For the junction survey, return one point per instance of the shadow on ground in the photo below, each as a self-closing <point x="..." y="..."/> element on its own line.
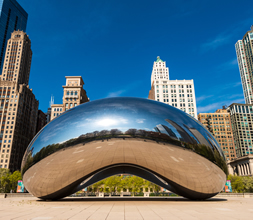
<point x="96" y="199"/>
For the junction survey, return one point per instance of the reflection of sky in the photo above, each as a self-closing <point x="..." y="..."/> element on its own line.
<point x="113" y="113"/>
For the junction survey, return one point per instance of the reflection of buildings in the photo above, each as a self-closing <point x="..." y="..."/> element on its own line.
<point x="73" y="95"/>
<point x="19" y="108"/>
<point x="244" y="53"/>
<point x="219" y="124"/>
<point x="164" y="129"/>
<point x="184" y="135"/>
<point x="201" y="139"/>
<point x="178" y="93"/>
<point x="12" y="17"/>
<point x="242" y="127"/>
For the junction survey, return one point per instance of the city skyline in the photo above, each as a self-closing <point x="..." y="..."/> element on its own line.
<point x="113" y="46"/>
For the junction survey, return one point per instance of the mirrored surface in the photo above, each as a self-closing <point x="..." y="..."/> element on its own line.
<point x="143" y="137"/>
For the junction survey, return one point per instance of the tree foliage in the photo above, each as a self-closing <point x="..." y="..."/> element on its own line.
<point x="241" y="184"/>
<point x="8" y="180"/>
<point x="118" y="183"/>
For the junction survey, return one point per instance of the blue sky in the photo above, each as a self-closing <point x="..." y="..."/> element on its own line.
<point x="113" y="44"/>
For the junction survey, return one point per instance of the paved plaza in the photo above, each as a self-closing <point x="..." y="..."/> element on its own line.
<point x="116" y="209"/>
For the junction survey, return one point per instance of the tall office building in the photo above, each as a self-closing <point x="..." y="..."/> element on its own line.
<point x="73" y="95"/>
<point x="219" y="124"/>
<point x="18" y="108"/>
<point x="178" y="93"/>
<point x="242" y="126"/>
<point x="244" y="52"/>
<point x="12" y="17"/>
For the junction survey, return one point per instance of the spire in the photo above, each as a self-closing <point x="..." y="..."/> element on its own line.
<point x="51" y="101"/>
<point x="158" y="59"/>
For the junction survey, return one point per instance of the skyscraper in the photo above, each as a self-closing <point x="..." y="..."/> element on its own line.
<point x="12" y="17"/>
<point x="178" y="93"/>
<point x="18" y="106"/>
<point x="73" y="95"/>
<point x="221" y="128"/>
<point x="242" y="127"/>
<point x="244" y="52"/>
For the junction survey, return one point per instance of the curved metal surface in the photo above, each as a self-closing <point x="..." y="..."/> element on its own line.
<point x="114" y="135"/>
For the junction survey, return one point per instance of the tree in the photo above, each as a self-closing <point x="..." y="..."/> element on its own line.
<point x="4" y="180"/>
<point x="236" y="183"/>
<point x="8" y="180"/>
<point x="112" y="182"/>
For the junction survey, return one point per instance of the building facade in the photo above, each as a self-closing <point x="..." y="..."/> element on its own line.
<point x="12" y="17"/>
<point x="41" y="120"/>
<point x="177" y="93"/>
<point x="19" y="108"/>
<point x="73" y="95"/>
<point x="242" y="127"/>
<point x="242" y="166"/>
<point x="219" y="124"/>
<point x="244" y="52"/>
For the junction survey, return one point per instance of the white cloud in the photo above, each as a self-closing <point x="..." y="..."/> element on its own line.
<point x="140" y="120"/>
<point x="227" y="36"/>
<point x="125" y="89"/>
<point x="203" y="97"/>
<point x="218" y="105"/>
<point x="116" y="93"/>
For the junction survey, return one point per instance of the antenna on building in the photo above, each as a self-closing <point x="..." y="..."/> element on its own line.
<point x="51" y="101"/>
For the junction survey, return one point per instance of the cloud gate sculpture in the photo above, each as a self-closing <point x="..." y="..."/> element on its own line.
<point x="136" y="136"/>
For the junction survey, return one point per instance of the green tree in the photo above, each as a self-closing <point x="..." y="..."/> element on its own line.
<point x="237" y="183"/>
<point x="113" y="182"/>
<point x="248" y="184"/>
<point x="4" y="180"/>
<point x="14" y="178"/>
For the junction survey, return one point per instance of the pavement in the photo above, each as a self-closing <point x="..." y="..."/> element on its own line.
<point x="126" y="208"/>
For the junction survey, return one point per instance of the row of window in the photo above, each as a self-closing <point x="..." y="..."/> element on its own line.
<point x="174" y="91"/>
<point x="57" y="109"/>
<point x="3" y="166"/>
<point x="175" y="100"/>
<point x="71" y="93"/>
<point x="70" y="105"/>
<point x="174" y="86"/>
<point x="175" y="95"/>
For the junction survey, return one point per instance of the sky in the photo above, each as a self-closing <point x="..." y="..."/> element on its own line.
<point x="113" y="44"/>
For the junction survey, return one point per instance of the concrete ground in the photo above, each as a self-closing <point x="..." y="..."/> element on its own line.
<point x="126" y="208"/>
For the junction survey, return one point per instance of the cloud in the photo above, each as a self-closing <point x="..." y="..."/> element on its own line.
<point x="116" y="93"/>
<point x="227" y="36"/>
<point x="140" y="121"/>
<point x="228" y="65"/>
<point x="203" y="97"/>
<point x="216" y="42"/>
<point x="214" y="106"/>
<point x="231" y="85"/>
<point x="124" y="90"/>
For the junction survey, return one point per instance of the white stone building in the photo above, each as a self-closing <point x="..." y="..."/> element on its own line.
<point x="177" y="93"/>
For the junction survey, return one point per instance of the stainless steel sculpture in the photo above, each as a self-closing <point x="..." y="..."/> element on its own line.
<point x="124" y="135"/>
